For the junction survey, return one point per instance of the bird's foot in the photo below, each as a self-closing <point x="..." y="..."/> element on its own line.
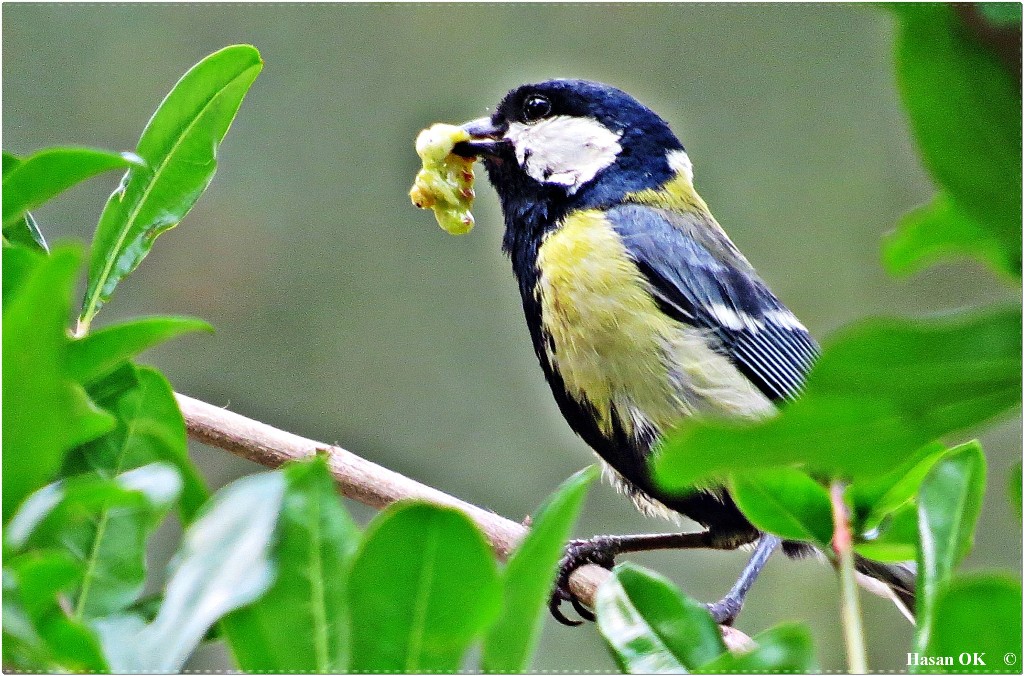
<point x="725" y="611"/>
<point x="599" y="551"/>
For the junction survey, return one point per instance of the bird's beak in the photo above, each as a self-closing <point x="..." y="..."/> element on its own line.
<point x="485" y="139"/>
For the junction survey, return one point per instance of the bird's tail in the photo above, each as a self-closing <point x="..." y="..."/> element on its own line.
<point x="896" y="581"/>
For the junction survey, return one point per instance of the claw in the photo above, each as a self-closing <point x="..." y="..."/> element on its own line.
<point x="578" y="553"/>
<point x="553" y="606"/>
<point x="583" y="611"/>
<point x="555" y="603"/>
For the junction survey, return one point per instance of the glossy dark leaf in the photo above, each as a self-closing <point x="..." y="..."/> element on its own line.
<point x="926" y="379"/>
<point x="948" y="507"/>
<point x="964" y="109"/>
<point x="651" y="627"/>
<point x="46" y="413"/>
<point x="36" y="179"/>
<point x="978" y="614"/>
<point x="223" y="564"/>
<point x="529" y="575"/>
<point x="785" y="649"/>
<point x="179" y="145"/>
<point x="301" y="625"/>
<point x="785" y="502"/>
<point x="424" y="587"/>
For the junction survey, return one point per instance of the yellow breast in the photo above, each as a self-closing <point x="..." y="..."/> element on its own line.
<point x="614" y="347"/>
<point x="607" y="334"/>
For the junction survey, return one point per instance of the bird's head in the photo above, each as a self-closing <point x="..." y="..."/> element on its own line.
<point x="566" y="144"/>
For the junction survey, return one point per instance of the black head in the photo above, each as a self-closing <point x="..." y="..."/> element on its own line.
<point x="568" y="144"/>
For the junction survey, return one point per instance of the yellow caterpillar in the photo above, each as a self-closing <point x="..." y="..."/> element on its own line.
<point x="445" y="183"/>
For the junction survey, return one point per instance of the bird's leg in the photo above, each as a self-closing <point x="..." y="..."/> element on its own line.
<point x="602" y="550"/>
<point x="726" y="610"/>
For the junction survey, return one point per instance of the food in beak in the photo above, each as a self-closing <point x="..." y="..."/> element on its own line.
<point x="445" y="183"/>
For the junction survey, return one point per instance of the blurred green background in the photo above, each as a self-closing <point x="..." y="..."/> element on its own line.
<point x="346" y="315"/>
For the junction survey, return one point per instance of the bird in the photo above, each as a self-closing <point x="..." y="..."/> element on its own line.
<point x="641" y="310"/>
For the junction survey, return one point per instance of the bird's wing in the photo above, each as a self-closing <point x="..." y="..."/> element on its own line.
<point x="761" y="337"/>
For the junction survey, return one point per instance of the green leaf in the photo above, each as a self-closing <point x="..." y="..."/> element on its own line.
<point x="147" y="607"/>
<point x="948" y="507"/>
<point x="301" y="625"/>
<point x="18" y="265"/>
<point x="150" y="428"/>
<point x="877" y="497"/>
<point x="529" y="576"/>
<point x="1001" y="13"/>
<point x="10" y="162"/>
<point x="104" y="525"/>
<point x="45" y="516"/>
<point x="115" y="542"/>
<point x="651" y="627"/>
<point x="941" y="230"/>
<point x="46" y="412"/>
<point x="44" y="175"/>
<point x="978" y="613"/>
<point x="785" y="502"/>
<point x="424" y="586"/>
<point x="101" y="352"/>
<point x="24" y="231"/>
<point x="223" y="564"/>
<point x="881" y="390"/>
<point x="179" y="146"/>
<point x="894" y="539"/>
<point x="785" y="649"/>
<point x="38" y="635"/>
<point x="965" y="112"/>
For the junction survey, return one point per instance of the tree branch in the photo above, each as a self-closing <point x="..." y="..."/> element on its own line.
<point x="371" y="484"/>
<point x="842" y="545"/>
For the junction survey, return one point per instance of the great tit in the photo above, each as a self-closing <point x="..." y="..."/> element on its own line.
<point x="641" y="309"/>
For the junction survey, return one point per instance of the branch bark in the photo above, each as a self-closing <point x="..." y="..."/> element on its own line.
<point x="371" y="484"/>
<point x="842" y="545"/>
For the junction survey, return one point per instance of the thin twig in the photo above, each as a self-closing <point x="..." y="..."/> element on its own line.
<point x="371" y="484"/>
<point x="842" y="545"/>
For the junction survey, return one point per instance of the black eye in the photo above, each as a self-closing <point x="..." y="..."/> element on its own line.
<point x="535" y="107"/>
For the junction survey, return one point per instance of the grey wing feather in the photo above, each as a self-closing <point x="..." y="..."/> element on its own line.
<point x="756" y="331"/>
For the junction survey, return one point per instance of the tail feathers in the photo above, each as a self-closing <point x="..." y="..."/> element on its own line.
<point x="896" y="581"/>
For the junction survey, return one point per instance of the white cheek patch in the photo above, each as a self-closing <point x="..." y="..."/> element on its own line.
<point x="680" y="163"/>
<point x="567" y="151"/>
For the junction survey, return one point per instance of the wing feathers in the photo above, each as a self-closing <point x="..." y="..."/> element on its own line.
<point x="755" y="330"/>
